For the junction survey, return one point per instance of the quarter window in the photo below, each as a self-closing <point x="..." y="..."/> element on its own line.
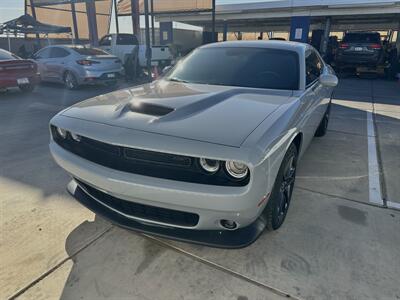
<point x="58" y="53"/>
<point x="42" y="54"/>
<point x="314" y="67"/>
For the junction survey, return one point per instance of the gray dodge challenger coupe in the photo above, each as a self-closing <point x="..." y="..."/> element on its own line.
<point x="206" y="154"/>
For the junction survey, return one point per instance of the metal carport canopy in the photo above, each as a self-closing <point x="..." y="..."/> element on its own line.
<point x="275" y="15"/>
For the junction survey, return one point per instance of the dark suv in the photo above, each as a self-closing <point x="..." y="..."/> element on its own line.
<point x="360" y="49"/>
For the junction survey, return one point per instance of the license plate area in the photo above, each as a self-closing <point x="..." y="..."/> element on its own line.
<point x="358" y="48"/>
<point x="111" y="75"/>
<point x="22" y="81"/>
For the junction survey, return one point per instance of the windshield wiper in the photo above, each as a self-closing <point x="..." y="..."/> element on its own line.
<point x="174" y="79"/>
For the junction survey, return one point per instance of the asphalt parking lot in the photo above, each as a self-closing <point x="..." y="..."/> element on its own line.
<point x="340" y="240"/>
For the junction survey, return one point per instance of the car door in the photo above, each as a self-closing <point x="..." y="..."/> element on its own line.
<point x="56" y="63"/>
<point x="40" y="58"/>
<point x="312" y="100"/>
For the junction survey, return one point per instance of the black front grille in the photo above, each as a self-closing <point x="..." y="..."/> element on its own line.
<point x="144" y="162"/>
<point x="147" y="212"/>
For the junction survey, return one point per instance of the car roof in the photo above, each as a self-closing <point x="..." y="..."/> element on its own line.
<point x="284" y="45"/>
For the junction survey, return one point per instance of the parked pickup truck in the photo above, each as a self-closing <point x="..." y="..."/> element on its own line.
<point x="123" y="44"/>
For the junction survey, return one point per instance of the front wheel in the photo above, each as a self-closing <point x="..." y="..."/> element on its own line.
<point x="70" y="81"/>
<point x="27" y="88"/>
<point x="278" y="204"/>
<point x="323" y="126"/>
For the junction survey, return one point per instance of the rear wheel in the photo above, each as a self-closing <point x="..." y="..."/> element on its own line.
<point x="278" y="204"/>
<point x="70" y="81"/>
<point x="27" y="88"/>
<point x="323" y="126"/>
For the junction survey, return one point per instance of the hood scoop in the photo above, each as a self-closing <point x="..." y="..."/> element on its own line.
<point x="150" y="109"/>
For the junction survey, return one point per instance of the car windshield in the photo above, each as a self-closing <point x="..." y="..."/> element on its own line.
<point x="4" y="55"/>
<point x="89" y="51"/>
<point x="243" y="66"/>
<point x="362" y="38"/>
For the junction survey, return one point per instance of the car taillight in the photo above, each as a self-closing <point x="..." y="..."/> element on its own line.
<point x="344" y="46"/>
<point x="86" y="62"/>
<point x="375" y="46"/>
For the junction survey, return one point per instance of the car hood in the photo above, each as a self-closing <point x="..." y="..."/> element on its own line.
<point x="215" y="114"/>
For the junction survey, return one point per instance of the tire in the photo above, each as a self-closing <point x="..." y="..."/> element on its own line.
<point x="278" y="204"/>
<point x="70" y="81"/>
<point x="27" y="88"/>
<point x="323" y="126"/>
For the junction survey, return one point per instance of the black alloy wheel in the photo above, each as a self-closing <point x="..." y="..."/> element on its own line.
<point x="278" y="205"/>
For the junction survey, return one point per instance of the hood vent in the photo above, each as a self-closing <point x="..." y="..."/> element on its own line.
<point x="150" y="109"/>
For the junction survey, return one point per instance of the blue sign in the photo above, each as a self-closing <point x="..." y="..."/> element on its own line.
<point x="299" y="27"/>
<point x="166" y="33"/>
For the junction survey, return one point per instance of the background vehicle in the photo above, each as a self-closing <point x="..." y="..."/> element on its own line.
<point x="209" y="152"/>
<point x="122" y="45"/>
<point x="360" y="49"/>
<point x="77" y="65"/>
<point x="17" y="72"/>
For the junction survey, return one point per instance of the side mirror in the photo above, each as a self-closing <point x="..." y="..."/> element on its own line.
<point x="329" y="80"/>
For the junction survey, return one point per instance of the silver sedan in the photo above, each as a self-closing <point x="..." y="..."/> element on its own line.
<point x="77" y="65"/>
<point x="206" y="154"/>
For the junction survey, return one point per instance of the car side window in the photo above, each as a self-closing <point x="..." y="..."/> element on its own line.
<point x="105" y="41"/>
<point x="314" y="68"/>
<point x="42" y="54"/>
<point x="57" y="52"/>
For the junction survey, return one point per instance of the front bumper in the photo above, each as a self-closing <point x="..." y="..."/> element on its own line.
<point x="210" y="203"/>
<point x="239" y="238"/>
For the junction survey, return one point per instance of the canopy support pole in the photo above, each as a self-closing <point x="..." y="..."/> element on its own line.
<point x="135" y="14"/>
<point x="213" y="21"/>
<point x="225" y="36"/>
<point x="74" y="22"/>
<point x="153" y="34"/>
<point x="147" y="30"/>
<point x="9" y="41"/>
<point x="325" y="40"/>
<point x="116" y="16"/>
<point x="34" y="16"/>
<point x="92" y="22"/>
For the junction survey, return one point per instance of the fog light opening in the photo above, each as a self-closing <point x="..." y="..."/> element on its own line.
<point x="229" y="224"/>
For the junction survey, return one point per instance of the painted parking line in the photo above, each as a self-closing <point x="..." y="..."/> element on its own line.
<point x="375" y="193"/>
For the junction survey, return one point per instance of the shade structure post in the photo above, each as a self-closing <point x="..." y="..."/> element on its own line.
<point x="213" y="21"/>
<point x="225" y="36"/>
<point x="135" y="15"/>
<point x="34" y="16"/>
<point x="92" y="22"/>
<point x="116" y="15"/>
<point x="9" y="41"/>
<point x="147" y="34"/>
<point x="74" y="22"/>
<point x="153" y="34"/>
<point x="325" y="40"/>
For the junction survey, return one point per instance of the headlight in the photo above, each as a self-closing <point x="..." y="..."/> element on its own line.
<point x="209" y="165"/>
<point x="62" y="132"/>
<point x="75" y="137"/>
<point x="236" y="169"/>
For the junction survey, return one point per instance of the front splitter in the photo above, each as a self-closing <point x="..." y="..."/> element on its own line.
<point x="235" y="239"/>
